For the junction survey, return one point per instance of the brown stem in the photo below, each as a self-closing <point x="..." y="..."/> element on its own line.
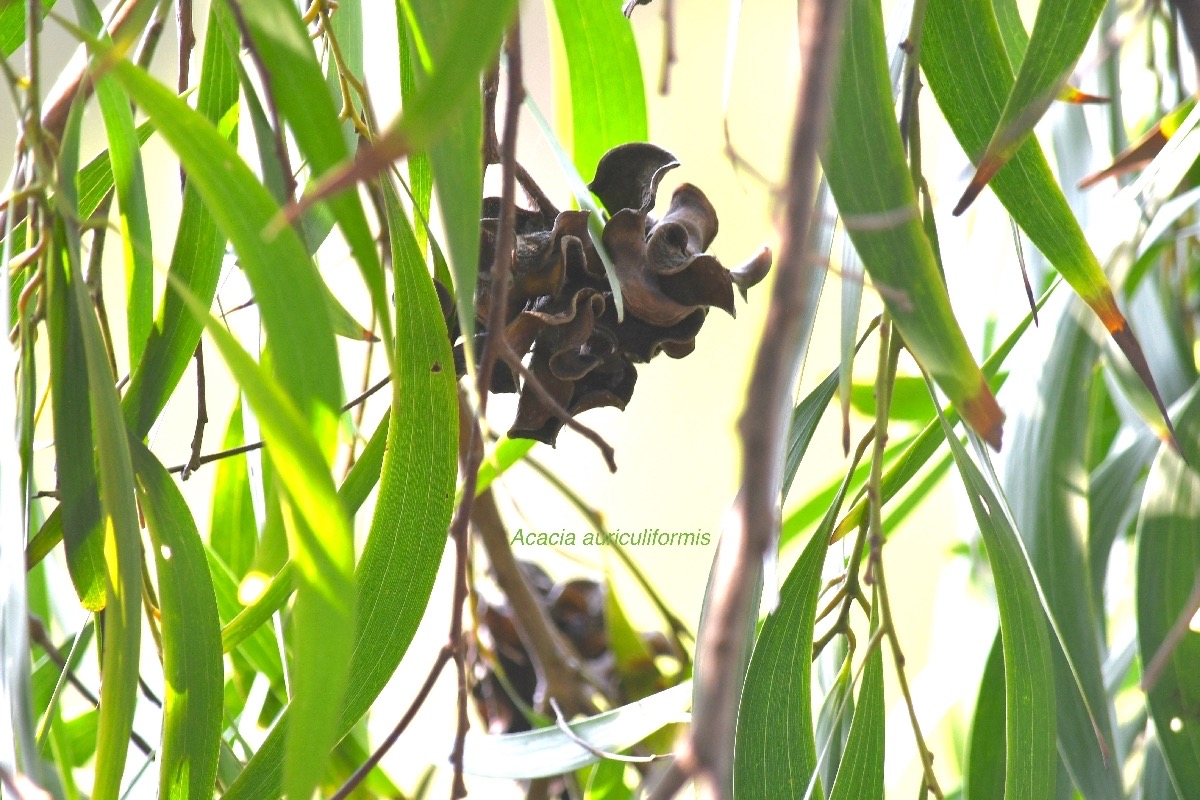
<point x="201" y="415"/>
<point x="264" y="75"/>
<point x="360" y="774"/>
<point x="753" y="526"/>
<point x="557" y="662"/>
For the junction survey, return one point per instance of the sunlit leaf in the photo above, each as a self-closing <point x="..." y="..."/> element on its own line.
<point x="192" y="668"/>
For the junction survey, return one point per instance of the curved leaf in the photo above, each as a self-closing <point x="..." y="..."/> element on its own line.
<point x="191" y="639"/>
<point x="1030" y="758"/>
<point x="1046" y="481"/>
<point x="119" y="516"/>
<point x="871" y="181"/>
<point x="549" y="751"/>
<point x="964" y="60"/>
<point x="1168" y="563"/>
<point x="412" y="512"/>
<point x="1060" y="32"/>
<point x="860" y="774"/>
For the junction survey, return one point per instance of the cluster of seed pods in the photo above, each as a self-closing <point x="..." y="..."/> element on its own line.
<point x="560" y="309"/>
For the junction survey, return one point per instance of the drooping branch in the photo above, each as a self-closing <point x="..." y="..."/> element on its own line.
<point x="753" y="527"/>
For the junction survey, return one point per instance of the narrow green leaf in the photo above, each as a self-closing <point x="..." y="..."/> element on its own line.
<point x="861" y="772"/>
<point x="608" y="98"/>
<point x="298" y="87"/>
<point x="1046" y="480"/>
<point x="1030" y="757"/>
<point x="871" y="181"/>
<point x="1168" y="563"/>
<point x="130" y="183"/>
<point x="836" y="714"/>
<point x="122" y="539"/>
<point x="12" y="25"/>
<point x="259" y="649"/>
<point x="323" y="614"/>
<point x="775" y="751"/>
<point x="198" y="251"/>
<point x="1060" y="32"/>
<point x="910" y="401"/>
<point x="254" y="616"/>
<point x="805" y="417"/>
<point x="549" y="751"/>
<point x="412" y="512"/>
<point x="283" y="277"/>
<point x="78" y="512"/>
<point x="986" y="751"/>
<point x="965" y="63"/>
<point x="191" y="637"/>
<point x="232" y="533"/>
<point x="420" y="173"/>
<point x="496" y="461"/>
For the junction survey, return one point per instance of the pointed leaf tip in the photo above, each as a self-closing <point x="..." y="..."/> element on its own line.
<point x="1124" y="338"/>
<point x="985" y="417"/>
<point x="988" y="167"/>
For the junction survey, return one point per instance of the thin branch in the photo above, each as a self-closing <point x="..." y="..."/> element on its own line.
<point x="753" y="524"/>
<point x="560" y="722"/>
<point x="201" y="414"/>
<point x="529" y="379"/>
<point x="247" y="448"/>
<point x="264" y="75"/>
<point x="470" y="433"/>
<point x="360" y="774"/>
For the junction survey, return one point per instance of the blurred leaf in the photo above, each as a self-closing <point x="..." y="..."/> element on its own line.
<point x="191" y="641"/>
<point x="548" y="751"/>
<point x="860" y="774"/>
<point x="119" y="515"/>
<point x="608" y="99"/>
<point x="1060" y="32"/>
<point x="1115" y="496"/>
<point x="1143" y="151"/>
<point x="412" y="511"/>
<point x="910" y="400"/>
<point x="871" y="181"/>
<point x="1046" y="481"/>
<point x="964" y="61"/>
<point x="1168" y="563"/>
<point x="606" y="781"/>
<point x="1030" y="757"/>
<point x="983" y="777"/>
<point x="253" y="616"/>
<point x="930" y="439"/>
<point x="496" y="461"/>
